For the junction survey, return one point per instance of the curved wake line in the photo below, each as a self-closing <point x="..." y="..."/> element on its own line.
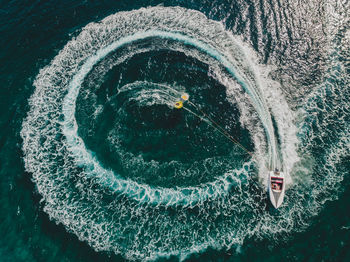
<point x="185" y="196"/>
<point x="207" y="215"/>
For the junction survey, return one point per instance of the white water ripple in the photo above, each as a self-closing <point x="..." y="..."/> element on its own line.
<point x="137" y="220"/>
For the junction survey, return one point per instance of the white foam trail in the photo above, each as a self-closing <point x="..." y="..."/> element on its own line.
<point x="84" y="157"/>
<point x="165" y="221"/>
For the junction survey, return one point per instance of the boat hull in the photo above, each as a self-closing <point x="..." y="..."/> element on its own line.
<point x="276" y="196"/>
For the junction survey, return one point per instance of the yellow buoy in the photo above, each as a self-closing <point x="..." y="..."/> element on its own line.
<point x="185" y="96"/>
<point x="178" y="104"/>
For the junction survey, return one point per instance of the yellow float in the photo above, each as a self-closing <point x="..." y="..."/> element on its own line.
<point x="185" y="96"/>
<point x="179" y="104"/>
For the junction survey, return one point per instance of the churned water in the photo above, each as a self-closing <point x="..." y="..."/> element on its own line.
<point x="98" y="165"/>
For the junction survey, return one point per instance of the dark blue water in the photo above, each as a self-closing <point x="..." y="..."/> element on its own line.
<point x="154" y="182"/>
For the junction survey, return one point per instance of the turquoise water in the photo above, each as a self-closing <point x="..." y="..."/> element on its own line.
<point x="98" y="165"/>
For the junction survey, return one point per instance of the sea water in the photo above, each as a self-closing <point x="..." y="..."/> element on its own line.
<point x="98" y="164"/>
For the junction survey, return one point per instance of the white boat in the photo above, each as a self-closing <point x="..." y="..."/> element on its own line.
<point x="277" y="187"/>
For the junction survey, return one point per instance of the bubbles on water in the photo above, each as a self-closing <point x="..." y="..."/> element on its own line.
<point x="124" y="214"/>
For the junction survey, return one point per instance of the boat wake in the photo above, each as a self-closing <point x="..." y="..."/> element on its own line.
<point x="97" y="121"/>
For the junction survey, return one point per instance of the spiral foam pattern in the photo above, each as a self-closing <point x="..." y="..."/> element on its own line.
<point x="124" y="213"/>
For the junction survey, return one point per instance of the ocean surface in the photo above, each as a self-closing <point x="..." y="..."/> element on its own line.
<point x="97" y="164"/>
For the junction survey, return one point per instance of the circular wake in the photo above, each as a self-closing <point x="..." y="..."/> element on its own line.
<point x="97" y="136"/>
